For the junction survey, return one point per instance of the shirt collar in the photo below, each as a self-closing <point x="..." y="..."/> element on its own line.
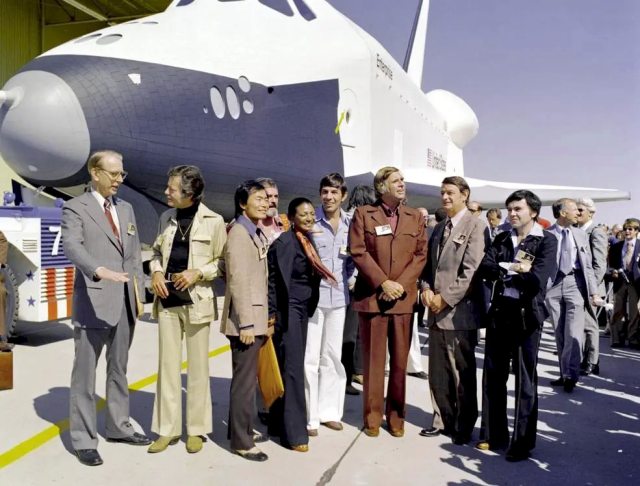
<point x="456" y="219"/>
<point x="536" y="230"/>
<point x="587" y="225"/>
<point x="387" y="209"/>
<point x="251" y="228"/>
<point x="100" y="198"/>
<point x="321" y="216"/>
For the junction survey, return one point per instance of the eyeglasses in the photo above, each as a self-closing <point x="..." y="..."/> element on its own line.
<point x="114" y="175"/>
<point x="628" y="228"/>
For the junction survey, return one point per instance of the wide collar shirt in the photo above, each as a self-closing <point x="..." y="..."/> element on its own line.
<point x="456" y="219"/>
<point x="333" y="250"/>
<point x="392" y="215"/>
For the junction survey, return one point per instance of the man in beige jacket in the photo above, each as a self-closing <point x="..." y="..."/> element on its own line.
<point x="187" y="255"/>
<point x="245" y="314"/>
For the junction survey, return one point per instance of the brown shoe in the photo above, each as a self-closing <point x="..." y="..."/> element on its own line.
<point x="333" y="425"/>
<point x="372" y="432"/>
<point x="396" y="432"/>
<point x="312" y="432"/>
<point x="300" y="448"/>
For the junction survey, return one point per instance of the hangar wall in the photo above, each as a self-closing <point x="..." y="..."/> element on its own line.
<point x="20" y="35"/>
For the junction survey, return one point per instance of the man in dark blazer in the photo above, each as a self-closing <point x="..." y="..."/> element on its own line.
<point x="457" y="306"/>
<point x="518" y="266"/>
<point x="624" y="258"/>
<point x="388" y="246"/>
<point x="100" y="237"/>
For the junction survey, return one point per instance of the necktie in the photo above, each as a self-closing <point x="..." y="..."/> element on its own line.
<point x="566" y="265"/>
<point x="445" y="235"/>
<point x="628" y="256"/>
<point x="107" y="213"/>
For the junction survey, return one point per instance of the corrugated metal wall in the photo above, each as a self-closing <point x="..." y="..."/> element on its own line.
<point x="20" y="35"/>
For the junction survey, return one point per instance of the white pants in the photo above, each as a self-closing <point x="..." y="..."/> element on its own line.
<point x="414" y="365"/>
<point x="324" y="376"/>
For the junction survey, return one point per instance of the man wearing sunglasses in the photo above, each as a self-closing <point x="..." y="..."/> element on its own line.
<point x="624" y="271"/>
<point x="100" y="237"/>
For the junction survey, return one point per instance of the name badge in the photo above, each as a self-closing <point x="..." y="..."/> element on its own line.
<point x="384" y="230"/>
<point x="345" y="250"/>
<point x="131" y="230"/>
<point x="524" y="257"/>
<point x="460" y="239"/>
<point x="263" y="252"/>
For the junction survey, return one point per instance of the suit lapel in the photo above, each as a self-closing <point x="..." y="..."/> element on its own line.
<point x="97" y="214"/>
<point x="379" y="217"/>
<point x="437" y="237"/>
<point x="403" y="218"/>
<point x="123" y="219"/>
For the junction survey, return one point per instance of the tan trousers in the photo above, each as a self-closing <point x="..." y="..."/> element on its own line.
<point x="173" y="324"/>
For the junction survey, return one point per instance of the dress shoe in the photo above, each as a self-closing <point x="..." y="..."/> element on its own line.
<point x="419" y="374"/>
<point x="396" y="432"/>
<point x="352" y="390"/>
<point x="135" y="439"/>
<point x="588" y="370"/>
<point x="596" y="369"/>
<point x="514" y="455"/>
<point x="558" y="382"/>
<point x="312" y="432"/>
<point x="333" y="425"/>
<point x="89" y="457"/>
<point x="483" y="445"/>
<point x="569" y="385"/>
<point x="461" y="439"/>
<point x="252" y="456"/>
<point x="430" y="432"/>
<point x="194" y="444"/>
<point x="371" y="432"/>
<point x="161" y="444"/>
<point x="300" y="448"/>
<point x="359" y="379"/>
<point x="5" y="346"/>
<point x="259" y="438"/>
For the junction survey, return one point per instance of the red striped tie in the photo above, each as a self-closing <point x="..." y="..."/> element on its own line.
<point x="107" y="213"/>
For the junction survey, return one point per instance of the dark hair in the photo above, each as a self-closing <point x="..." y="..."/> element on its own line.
<point x="495" y="211"/>
<point x="334" y="180"/>
<point x="362" y="195"/>
<point x="293" y="205"/>
<point x="530" y="198"/>
<point x="460" y="183"/>
<point x="440" y="214"/>
<point x="243" y="191"/>
<point x="559" y="205"/>
<point x="191" y="181"/>
<point x="266" y="182"/>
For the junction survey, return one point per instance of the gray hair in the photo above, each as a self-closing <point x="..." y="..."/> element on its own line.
<point x="587" y="203"/>
<point x="266" y="182"/>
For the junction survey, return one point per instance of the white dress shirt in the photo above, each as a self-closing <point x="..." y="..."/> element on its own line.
<point x="572" y="243"/>
<point x="112" y="209"/>
<point x="456" y="219"/>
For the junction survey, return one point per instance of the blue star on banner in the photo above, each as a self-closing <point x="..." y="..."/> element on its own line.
<point x="32" y="302"/>
<point x="30" y="275"/>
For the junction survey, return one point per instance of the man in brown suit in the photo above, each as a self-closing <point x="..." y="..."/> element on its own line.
<point x="4" y="249"/>
<point x="388" y="245"/>
<point x="456" y="249"/>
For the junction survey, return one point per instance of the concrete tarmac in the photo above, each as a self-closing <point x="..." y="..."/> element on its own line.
<point x="588" y="437"/>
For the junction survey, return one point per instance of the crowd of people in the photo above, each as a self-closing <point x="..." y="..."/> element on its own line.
<point x="337" y="293"/>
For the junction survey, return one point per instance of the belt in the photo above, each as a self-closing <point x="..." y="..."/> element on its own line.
<point x="171" y="277"/>
<point x="574" y="271"/>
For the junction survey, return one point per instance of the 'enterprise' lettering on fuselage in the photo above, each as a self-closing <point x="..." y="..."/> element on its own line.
<point x="384" y="68"/>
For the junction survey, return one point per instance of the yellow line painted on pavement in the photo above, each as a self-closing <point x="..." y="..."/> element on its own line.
<point x="61" y="427"/>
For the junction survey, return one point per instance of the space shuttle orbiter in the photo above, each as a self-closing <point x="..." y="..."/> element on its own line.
<point x="287" y="89"/>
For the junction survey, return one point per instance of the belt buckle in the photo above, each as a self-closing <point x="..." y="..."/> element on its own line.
<point x="172" y="277"/>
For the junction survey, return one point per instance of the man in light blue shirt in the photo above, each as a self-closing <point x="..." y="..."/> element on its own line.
<point x="325" y="377"/>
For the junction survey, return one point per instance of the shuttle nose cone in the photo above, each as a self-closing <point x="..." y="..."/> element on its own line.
<point x="43" y="131"/>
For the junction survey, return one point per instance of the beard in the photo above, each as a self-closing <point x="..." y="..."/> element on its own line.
<point x="272" y="212"/>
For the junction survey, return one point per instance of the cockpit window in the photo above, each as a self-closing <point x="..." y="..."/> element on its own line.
<point x="304" y="9"/>
<point x="281" y="6"/>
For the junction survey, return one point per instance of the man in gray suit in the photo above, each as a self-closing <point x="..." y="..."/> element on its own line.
<point x="598" y="245"/>
<point x="456" y="249"/>
<point x="101" y="239"/>
<point x="569" y="290"/>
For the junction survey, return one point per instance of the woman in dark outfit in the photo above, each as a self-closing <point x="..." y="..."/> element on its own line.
<point x="295" y="271"/>
<point x="519" y="263"/>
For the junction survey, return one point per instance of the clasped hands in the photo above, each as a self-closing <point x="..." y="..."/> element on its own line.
<point x="248" y="337"/>
<point x="391" y="291"/>
<point x="183" y="281"/>
<point x="434" y="302"/>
